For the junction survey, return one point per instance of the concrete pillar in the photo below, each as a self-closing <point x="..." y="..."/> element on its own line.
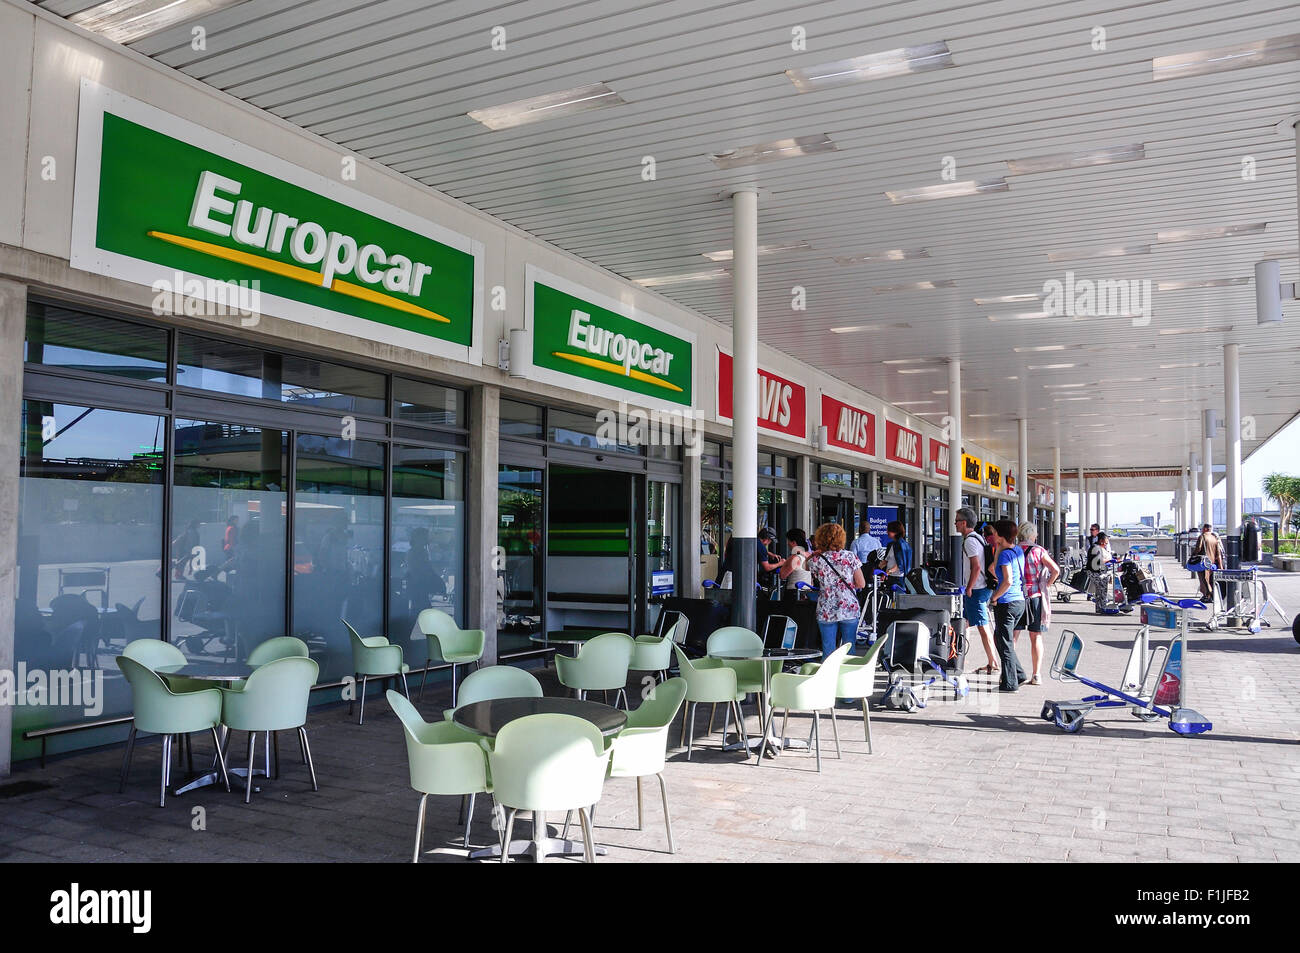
<point x="955" y="466"/>
<point x="1207" y="470"/>
<point x="1058" y="531"/>
<point x="744" y="389"/>
<point x="481" y="605"/>
<point x="13" y="322"/>
<point x="1191" y="491"/>
<point x="1085" y="511"/>
<point x="1232" y="446"/>
<point x="804" y="468"/>
<point x="1105" y="512"/>
<point x="1025" y="497"/>
<point x="692" y="496"/>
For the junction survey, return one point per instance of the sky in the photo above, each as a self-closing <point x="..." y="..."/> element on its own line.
<point x="1281" y="454"/>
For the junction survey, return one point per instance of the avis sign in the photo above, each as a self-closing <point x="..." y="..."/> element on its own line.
<point x="782" y="404"/>
<point x="848" y="427"/>
<point x="939" y="456"/>
<point x="902" y="445"/>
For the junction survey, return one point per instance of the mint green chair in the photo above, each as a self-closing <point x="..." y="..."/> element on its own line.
<point x="376" y="657"/>
<point x="496" y="681"/>
<point x="735" y="639"/>
<point x="549" y="762"/>
<point x="651" y="654"/>
<point x="857" y="679"/>
<point x="806" y="693"/>
<point x="448" y="643"/>
<point x="444" y="759"/>
<point x="154" y="654"/>
<point x="709" y="682"/>
<point x="641" y="747"/>
<point x="601" y="665"/>
<point x="161" y="711"/>
<point x="282" y="646"/>
<point x="273" y="699"/>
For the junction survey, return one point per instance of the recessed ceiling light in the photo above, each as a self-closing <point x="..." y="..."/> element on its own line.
<point x="1008" y="299"/>
<point x="772" y="151"/>
<point x="1063" y="399"/>
<point x="125" y="21"/>
<point x="908" y="360"/>
<point x="682" y="278"/>
<point x="1209" y="231"/>
<point x="547" y="106"/>
<point x="1167" y="367"/>
<point x="907" y="59"/>
<point x="1023" y="316"/>
<point x="727" y="254"/>
<point x="1105" y="251"/>
<point x="948" y="190"/>
<point x="916" y="286"/>
<point x="941" y="393"/>
<point x="1278" y="49"/>
<point x="1218" y="330"/>
<point x="1064" y="386"/>
<point x="1076" y="160"/>
<point x="886" y="254"/>
<point x="921" y="370"/>
<point x="911" y="403"/>
<point x="1202" y="283"/>
<point x="1051" y="367"/>
<point x="1040" y="347"/>
<point x="980" y="416"/>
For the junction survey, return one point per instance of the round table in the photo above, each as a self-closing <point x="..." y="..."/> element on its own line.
<point x="570" y="637"/>
<point x="487" y="718"/>
<point x="781" y="655"/>
<point x="218" y="673"/>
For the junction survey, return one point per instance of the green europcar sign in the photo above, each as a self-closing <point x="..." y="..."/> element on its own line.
<point x="585" y="341"/>
<point x="160" y="200"/>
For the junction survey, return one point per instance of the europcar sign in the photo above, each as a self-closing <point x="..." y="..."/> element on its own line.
<point x="583" y="340"/>
<point x="157" y="197"/>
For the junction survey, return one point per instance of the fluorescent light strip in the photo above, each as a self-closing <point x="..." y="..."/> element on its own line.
<point x="1008" y="299"/>
<point x="916" y="286"/>
<point x="948" y="190"/>
<point x="910" y="403"/>
<point x="125" y="21"/>
<point x="772" y="151"/>
<point x="1050" y="367"/>
<point x="1203" y="283"/>
<point x="1064" y="386"/>
<point x="1169" y="367"/>
<point x="727" y="254"/>
<point x="920" y="370"/>
<point x="1076" y="160"/>
<point x="1106" y="251"/>
<point x="547" y="106"/>
<point x="908" y="360"/>
<point x="907" y="59"/>
<point x="1280" y="49"/>
<point x="887" y="254"/>
<point x="1025" y="316"/>
<point x="1220" y="330"/>
<point x="682" y="278"/>
<point x="1040" y="347"/>
<point x="1209" y="231"/>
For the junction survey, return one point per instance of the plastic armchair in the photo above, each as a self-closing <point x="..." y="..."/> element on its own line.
<point x="709" y="682"/>
<point x="154" y="654"/>
<point x="375" y="656"/>
<point x="735" y="639"/>
<point x="161" y="711"/>
<point x="600" y="665"/>
<point x="642" y="746"/>
<point x="655" y="654"/>
<point x="444" y="759"/>
<point x="496" y="681"/>
<point x="813" y="693"/>
<point x="282" y="646"/>
<point x="857" y="679"/>
<point x="447" y="643"/>
<point x="273" y="699"/>
<point x="549" y="762"/>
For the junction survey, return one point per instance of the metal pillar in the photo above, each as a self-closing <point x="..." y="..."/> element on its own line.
<point x="744" y="423"/>
<point x="955" y="466"/>
<point x="1207" y="467"/>
<point x="1058" y="531"/>
<point x="1026" y="512"/>
<point x="1232" y="452"/>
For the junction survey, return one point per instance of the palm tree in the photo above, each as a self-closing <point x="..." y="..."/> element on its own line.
<point x="1285" y="491"/>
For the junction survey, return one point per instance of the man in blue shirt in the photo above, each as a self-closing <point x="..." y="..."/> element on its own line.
<point x="865" y="546"/>
<point x="1008" y="603"/>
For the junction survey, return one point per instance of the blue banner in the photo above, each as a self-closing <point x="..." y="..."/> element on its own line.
<point x="879" y="517"/>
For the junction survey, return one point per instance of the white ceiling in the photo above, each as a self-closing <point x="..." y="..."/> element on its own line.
<point x="393" y="80"/>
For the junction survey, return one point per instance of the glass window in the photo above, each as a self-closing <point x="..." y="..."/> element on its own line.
<point x="338" y="546"/>
<point x="60" y="337"/>
<point x="711" y="454"/>
<point x="520" y="420"/>
<point x="661" y="536"/>
<point x="430" y="405"/>
<point x="834" y="477"/>
<point x="765" y="464"/>
<point x="519" y="534"/>
<point x="90" y="507"/>
<point x="228" y="549"/>
<point x="426" y="564"/>
<point x="583" y="430"/>
<point x="715" y="526"/>
<point x="781" y="466"/>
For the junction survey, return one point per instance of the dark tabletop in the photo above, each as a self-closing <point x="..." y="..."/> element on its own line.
<point x="489" y="717"/>
<point x="568" y="636"/>
<point x="206" y="671"/>
<point x="789" y="655"/>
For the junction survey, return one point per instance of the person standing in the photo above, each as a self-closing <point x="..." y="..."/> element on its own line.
<point x="866" y="547"/>
<point x="1208" y="551"/>
<point x="975" y="589"/>
<point x="795" y="569"/>
<point x="1099" y="560"/>
<point x="1041" y="571"/>
<point x="898" y="552"/>
<point x="1008" y="604"/>
<point x="838" y="575"/>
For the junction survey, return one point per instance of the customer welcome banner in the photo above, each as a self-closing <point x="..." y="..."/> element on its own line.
<point x="158" y="198"/>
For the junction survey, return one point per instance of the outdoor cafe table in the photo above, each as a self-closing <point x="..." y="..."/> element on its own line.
<point x="573" y="638"/>
<point x="218" y="674"/>
<point x="779" y="656"/>
<point x="487" y="718"/>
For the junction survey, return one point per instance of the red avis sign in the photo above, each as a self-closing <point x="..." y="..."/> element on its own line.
<point x="939" y="455"/>
<point x="782" y="404"/>
<point x="848" y="427"/>
<point x="902" y="445"/>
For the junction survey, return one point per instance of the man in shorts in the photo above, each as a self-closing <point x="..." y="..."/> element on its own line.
<point x="975" y="590"/>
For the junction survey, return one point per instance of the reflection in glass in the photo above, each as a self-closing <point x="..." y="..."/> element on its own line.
<point x="661" y="533"/>
<point x="90" y="500"/>
<point x="430" y="405"/>
<point x="520" y="420"/>
<point x="228" y="551"/>
<point x="715" y="527"/>
<point x="60" y="337"/>
<point x="519" y="534"/>
<point x="583" y="430"/>
<point x="428" y="543"/>
<point x="338" y="546"/>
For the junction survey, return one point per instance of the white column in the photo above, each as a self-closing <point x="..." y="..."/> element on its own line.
<point x="1191" y="490"/>
<point x="1085" y="512"/>
<point x="1232" y="435"/>
<point x="1057" y="532"/>
<point x="1026" y="513"/>
<point x="954" y="464"/>
<point x="1207" y="468"/>
<point x="1105" y="512"/>
<point x="744" y="389"/>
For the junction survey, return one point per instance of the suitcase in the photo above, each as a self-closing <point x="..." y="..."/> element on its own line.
<point x="1080" y="580"/>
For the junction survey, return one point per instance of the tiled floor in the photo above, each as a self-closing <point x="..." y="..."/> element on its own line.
<point x="983" y="780"/>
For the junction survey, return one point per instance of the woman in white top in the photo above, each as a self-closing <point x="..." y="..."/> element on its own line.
<point x="795" y="568"/>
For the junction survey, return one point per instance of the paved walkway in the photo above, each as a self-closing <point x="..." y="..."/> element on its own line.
<point x="984" y="780"/>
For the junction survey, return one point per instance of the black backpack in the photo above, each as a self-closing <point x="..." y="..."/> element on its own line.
<point x="990" y="567"/>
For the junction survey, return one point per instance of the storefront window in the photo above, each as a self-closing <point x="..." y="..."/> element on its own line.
<point x="521" y="420"/>
<point x="661" y="538"/>
<point x="429" y="405"/>
<point x="715" y="526"/>
<point x="58" y="337"/>
<point x="833" y="477"/>
<point x="90" y="514"/>
<point x="584" y="430"/>
<point x="519" y="534"/>
<point x="711" y="454"/>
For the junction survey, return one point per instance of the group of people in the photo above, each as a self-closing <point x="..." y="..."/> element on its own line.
<point x="1004" y="567"/>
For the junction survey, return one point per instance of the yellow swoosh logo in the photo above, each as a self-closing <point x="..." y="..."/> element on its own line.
<point x="298" y="274"/>
<point x="611" y="367"/>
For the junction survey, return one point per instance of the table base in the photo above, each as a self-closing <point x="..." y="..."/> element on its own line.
<point x="535" y="850"/>
<point x="214" y="777"/>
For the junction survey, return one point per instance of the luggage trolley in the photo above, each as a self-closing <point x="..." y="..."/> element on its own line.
<point x="1152" y="677"/>
<point x="1252" y="600"/>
